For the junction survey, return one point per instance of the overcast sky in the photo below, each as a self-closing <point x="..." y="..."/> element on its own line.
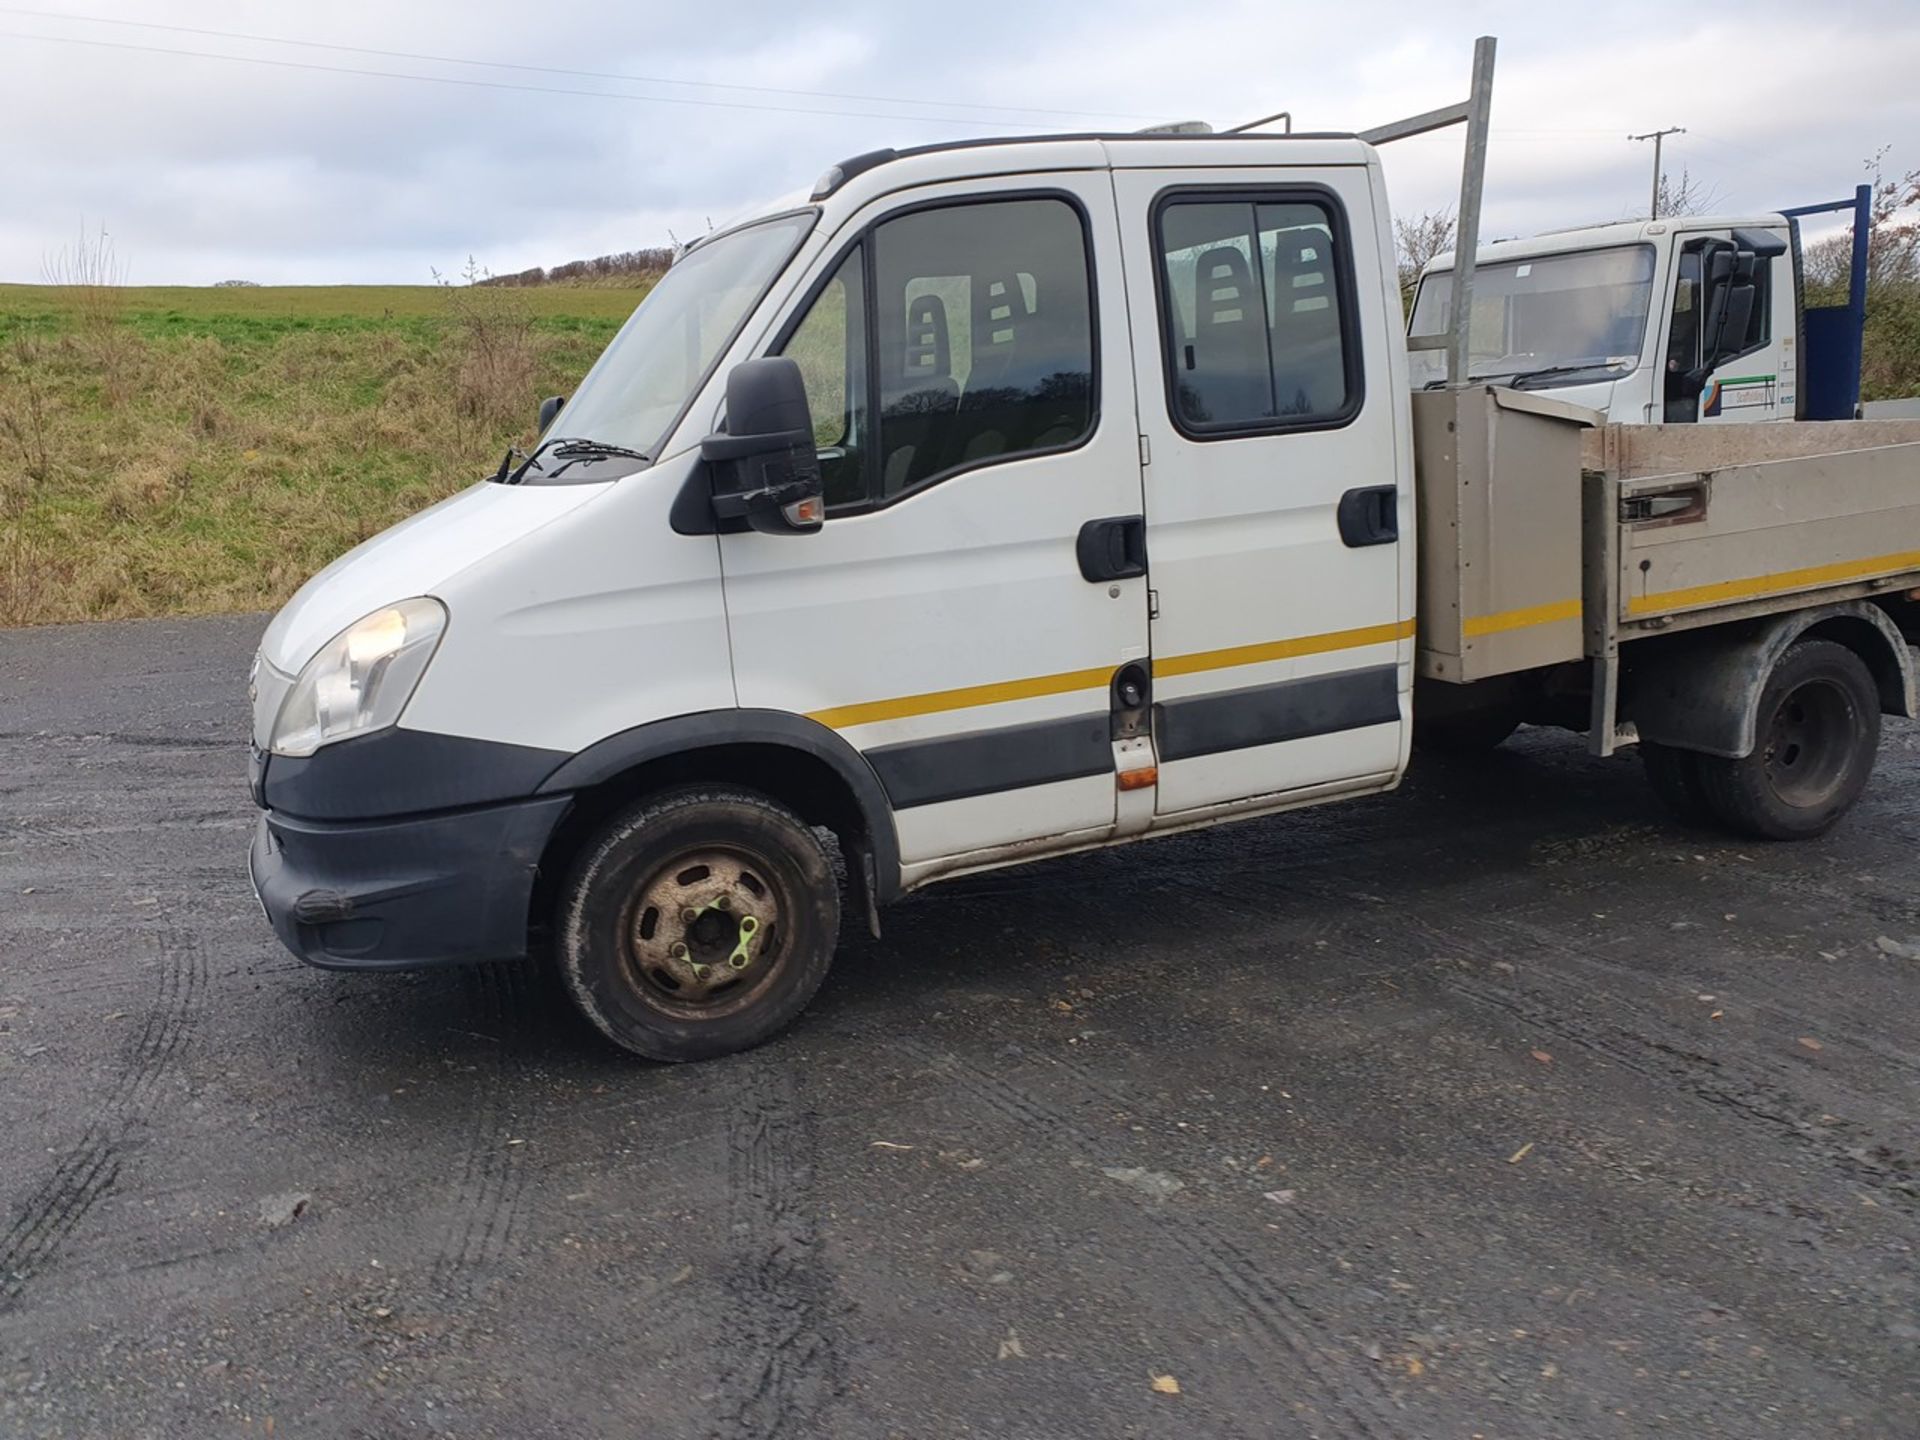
<point x="206" y="168"/>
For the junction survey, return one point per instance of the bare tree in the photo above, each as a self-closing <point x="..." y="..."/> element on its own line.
<point x="1418" y="241"/>
<point x="95" y="279"/>
<point x="1893" y="237"/>
<point x="1686" y="195"/>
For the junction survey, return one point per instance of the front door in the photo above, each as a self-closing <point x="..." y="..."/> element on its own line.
<point x="1277" y="484"/>
<point x="966" y="364"/>
<point x="1756" y="377"/>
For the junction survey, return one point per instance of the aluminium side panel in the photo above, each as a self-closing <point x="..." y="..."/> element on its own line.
<point x="1767" y="536"/>
<point x="1500" y="548"/>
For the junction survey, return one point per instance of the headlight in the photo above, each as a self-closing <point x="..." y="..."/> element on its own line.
<point x="362" y="678"/>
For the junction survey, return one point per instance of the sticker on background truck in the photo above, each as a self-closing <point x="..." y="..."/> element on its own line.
<point x="1739" y="392"/>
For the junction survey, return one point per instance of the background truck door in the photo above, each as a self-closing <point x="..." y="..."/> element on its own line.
<point x="967" y="369"/>
<point x="1755" y="379"/>
<point x="1276" y="484"/>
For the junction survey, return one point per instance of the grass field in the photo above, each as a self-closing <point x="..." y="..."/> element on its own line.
<point x="171" y="451"/>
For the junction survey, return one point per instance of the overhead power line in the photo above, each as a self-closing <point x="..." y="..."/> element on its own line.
<point x="545" y="69"/>
<point x="950" y="121"/>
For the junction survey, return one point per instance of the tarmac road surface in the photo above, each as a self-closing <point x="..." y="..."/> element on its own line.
<point x="1498" y="1107"/>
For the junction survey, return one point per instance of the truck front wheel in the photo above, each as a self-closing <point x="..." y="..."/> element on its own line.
<point x="697" y="923"/>
<point x="1817" y="732"/>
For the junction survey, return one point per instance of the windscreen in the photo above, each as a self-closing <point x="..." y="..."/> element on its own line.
<point x="1576" y="316"/>
<point x="645" y="377"/>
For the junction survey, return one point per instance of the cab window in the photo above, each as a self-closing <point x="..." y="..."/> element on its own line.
<point x="830" y="347"/>
<point x="1255" y="314"/>
<point x="1683" y="342"/>
<point x="978" y="348"/>
<point x="1760" y="319"/>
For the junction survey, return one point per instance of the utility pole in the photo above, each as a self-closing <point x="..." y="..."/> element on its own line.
<point x="1656" y="136"/>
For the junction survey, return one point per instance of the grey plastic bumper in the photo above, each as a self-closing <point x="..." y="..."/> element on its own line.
<point x="392" y="894"/>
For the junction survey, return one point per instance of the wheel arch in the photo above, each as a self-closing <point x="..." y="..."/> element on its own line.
<point x="1701" y="691"/>
<point x="789" y="758"/>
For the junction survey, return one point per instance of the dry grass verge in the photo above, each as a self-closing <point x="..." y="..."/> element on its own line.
<point x="207" y="450"/>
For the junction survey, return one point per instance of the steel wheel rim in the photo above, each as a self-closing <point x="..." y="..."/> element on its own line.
<point x="1806" y="750"/>
<point x="705" y="934"/>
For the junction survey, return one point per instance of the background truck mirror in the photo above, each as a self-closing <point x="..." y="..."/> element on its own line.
<point x="549" y="408"/>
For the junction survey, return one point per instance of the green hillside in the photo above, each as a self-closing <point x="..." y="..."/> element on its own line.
<point x="174" y="450"/>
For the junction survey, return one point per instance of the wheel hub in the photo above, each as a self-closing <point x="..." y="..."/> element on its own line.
<point x="706" y="924"/>
<point x="1806" y="750"/>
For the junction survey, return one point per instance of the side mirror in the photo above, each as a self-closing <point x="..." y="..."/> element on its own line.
<point x="766" y="470"/>
<point x="1727" y="299"/>
<point x="549" y="408"/>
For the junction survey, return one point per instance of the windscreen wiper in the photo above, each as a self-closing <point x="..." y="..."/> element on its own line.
<point x="503" y="475"/>
<point x="1441" y="383"/>
<point x="575" y="452"/>
<point x="572" y="450"/>
<point x="1520" y="378"/>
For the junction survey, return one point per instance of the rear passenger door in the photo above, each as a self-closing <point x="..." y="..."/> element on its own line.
<point x="972" y="397"/>
<point x="1276" y="485"/>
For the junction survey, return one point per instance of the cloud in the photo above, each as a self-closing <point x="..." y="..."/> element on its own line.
<point x="209" y="168"/>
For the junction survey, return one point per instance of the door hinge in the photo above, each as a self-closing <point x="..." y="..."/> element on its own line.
<point x="1146" y="452"/>
<point x="1153" y="604"/>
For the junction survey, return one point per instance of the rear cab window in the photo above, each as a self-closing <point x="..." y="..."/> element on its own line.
<point x="1256" y="313"/>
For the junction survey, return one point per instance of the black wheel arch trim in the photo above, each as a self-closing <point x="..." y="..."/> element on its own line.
<point x="1701" y="690"/>
<point x="716" y="729"/>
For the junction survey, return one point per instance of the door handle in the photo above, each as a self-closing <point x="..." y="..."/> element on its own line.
<point x="1370" y="516"/>
<point x="1112" y="549"/>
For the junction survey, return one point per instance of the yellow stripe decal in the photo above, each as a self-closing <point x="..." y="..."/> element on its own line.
<point x="1774" y="584"/>
<point x="1282" y="649"/>
<point x="899" y="708"/>
<point x="842" y="717"/>
<point x="1520" y="619"/>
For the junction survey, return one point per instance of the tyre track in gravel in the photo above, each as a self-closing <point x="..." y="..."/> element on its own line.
<point x="99" y="737"/>
<point x="780" y="1294"/>
<point x="1639" y="1039"/>
<point x="1349" y="1394"/>
<point x="487" y="1193"/>
<point x="91" y="1167"/>
<point x="1649" y="1044"/>
<point x="1770" y="883"/>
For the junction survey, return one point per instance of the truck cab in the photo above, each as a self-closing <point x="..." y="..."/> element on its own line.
<point x="848" y="528"/>
<point x="1681" y="321"/>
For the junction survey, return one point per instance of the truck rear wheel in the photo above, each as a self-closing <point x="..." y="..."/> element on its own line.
<point x="697" y="923"/>
<point x="1817" y="733"/>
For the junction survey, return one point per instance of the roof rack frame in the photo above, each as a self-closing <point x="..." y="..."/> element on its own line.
<point x="1471" y="112"/>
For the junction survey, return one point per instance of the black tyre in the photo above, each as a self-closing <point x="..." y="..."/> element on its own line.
<point x="1675" y="777"/>
<point x="697" y="923"/>
<point x="1817" y="735"/>
<point x="1467" y="733"/>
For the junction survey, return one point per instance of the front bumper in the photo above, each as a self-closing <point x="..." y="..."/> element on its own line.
<point x="391" y="894"/>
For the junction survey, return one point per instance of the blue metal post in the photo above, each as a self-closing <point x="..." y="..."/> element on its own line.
<point x="1857" y="285"/>
<point x="1835" y="335"/>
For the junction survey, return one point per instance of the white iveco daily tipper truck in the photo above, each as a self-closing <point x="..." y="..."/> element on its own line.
<point x="994" y="501"/>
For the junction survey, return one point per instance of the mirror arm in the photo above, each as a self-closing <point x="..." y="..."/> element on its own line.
<point x="738" y="505"/>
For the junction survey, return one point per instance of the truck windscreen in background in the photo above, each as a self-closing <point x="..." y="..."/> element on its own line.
<point x="1575" y="317"/>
